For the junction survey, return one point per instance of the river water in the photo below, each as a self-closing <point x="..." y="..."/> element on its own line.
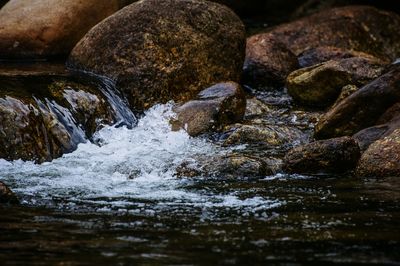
<point x="118" y="201"/>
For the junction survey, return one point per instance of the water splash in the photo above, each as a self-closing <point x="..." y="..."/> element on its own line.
<point x="127" y="167"/>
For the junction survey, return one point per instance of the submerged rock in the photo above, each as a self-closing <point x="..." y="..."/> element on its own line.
<point x="213" y="108"/>
<point x="266" y="135"/>
<point x="47" y="28"/>
<point x="232" y="166"/>
<point x="163" y="50"/>
<point x="361" y="109"/>
<point x="367" y="30"/>
<point x="327" y="156"/>
<point x="6" y="195"/>
<point x="43" y="116"/>
<point x="382" y="158"/>
<point x="320" y="85"/>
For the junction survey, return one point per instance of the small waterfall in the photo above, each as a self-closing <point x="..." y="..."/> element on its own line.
<point x="123" y="114"/>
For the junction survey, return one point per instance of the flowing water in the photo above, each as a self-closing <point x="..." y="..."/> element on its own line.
<point x="118" y="201"/>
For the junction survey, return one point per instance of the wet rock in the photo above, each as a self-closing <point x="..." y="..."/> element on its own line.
<point x="361" y="109"/>
<point x="391" y="114"/>
<point x="215" y="107"/>
<point x="163" y="50"/>
<point x="312" y="6"/>
<point x="382" y="158"/>
<point x="345" y="92"/>
<point x="327" y="156"/>
<point x="267" y="135"/>
<point x="255" y="107"/>
<point x="320" y="85"/>
<point x="369" y="135"/>
<point x="49" y="28"/>
<point x="322" y="54"/>
<point x="368" y="30"/>
<point x="6" y="195"/>
<point x="268" y="62"/>
<point x="43" y="116"/>
<point x="232" y="166"/>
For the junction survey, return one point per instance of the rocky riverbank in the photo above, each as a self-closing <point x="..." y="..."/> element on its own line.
<point x="315" y="95"/>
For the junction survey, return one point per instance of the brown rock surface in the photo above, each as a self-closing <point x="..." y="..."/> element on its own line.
<point x="48" y="28"/>
<point x="215" y="107"/>
<point x="382" y="158"/>
<point x="163" y="50"/>
<point x="321" y="85"/>
<point x="353" y="28"/>
<point x="361" y="109"/>
<point x="327" y="156"/>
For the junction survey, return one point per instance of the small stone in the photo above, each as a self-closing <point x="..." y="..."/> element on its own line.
<point x="215" y="107"/>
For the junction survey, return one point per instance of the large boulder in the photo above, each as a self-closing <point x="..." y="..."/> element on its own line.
<point x="213" y="108"/>
<point x="320" y="85"/>
<point x="366" y="30"/>
<point x="382" y="158"/>
<point x="44" y="115"/>
<point x="361" y="109"/>
<point x="163" y="50"/>
<point x="47" y="28"/>
<point x="326" y="156"/>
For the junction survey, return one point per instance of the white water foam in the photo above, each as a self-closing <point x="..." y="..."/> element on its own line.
<point x="128" y="166"/>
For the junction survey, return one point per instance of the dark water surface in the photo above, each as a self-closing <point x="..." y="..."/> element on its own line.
<point x="325" y="219"/>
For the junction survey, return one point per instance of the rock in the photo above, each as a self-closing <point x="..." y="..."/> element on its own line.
<point x="368" y="30"/>
<point x="320" y="85"/>
<point x="362" y="109"/>
<point x="268" y="62"/>
<point x="382" y="158"/>
<point x="215" y="107"/>
<point x="345" y="92"/>
<point x="2" y="3"/>
<point x="49" y="28"/>
<point x="255" y="107"/>
<point x="266" y="135"/>
<point x="312" y="6"/>
<point x="322" y="54"/>
<point x="336" y="155"/>
<point x="6" y="195"/>
<point x="232" y="166"/>
<point x="393" y="113"/>
<point x="163" y="50"/>
<point x="369" y="135"/>
<point x="43" y="116"/>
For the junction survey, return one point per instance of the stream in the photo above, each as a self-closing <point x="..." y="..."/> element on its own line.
<point x="117" y="201"/>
